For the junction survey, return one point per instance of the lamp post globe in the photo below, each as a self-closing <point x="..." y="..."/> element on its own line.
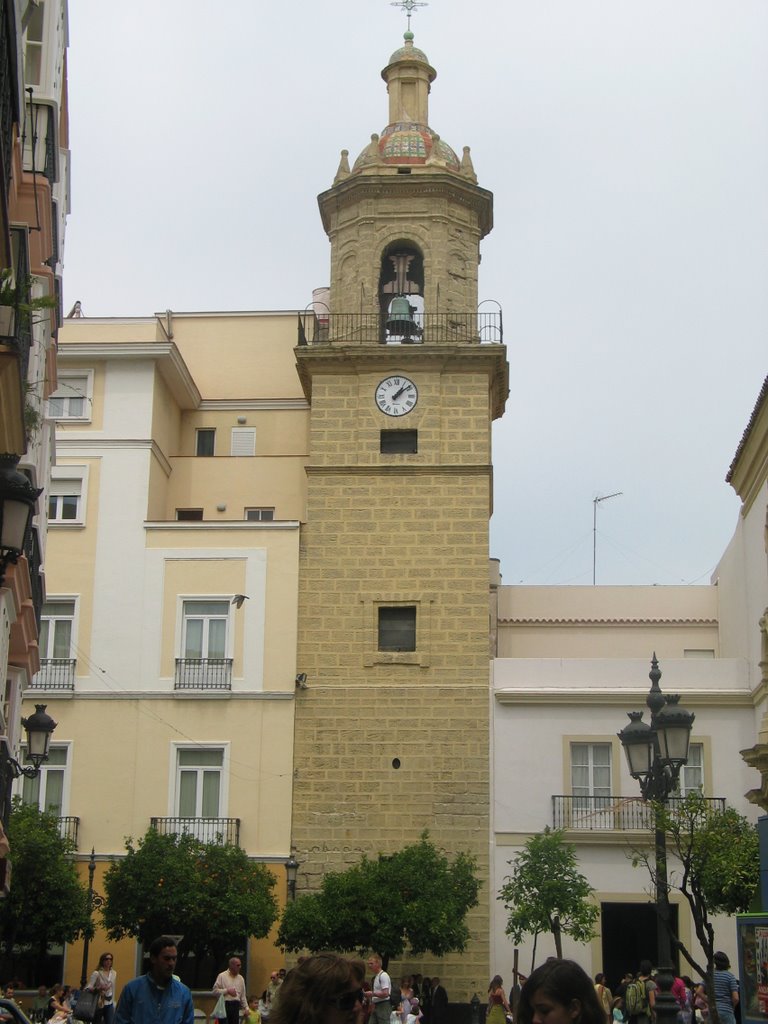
<point x="17" y="506"/>
<point x="39" y="727"/>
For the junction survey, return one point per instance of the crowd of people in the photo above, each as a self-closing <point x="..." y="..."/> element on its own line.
<point x="330" y="989"/>
<point x="634" y="999"/>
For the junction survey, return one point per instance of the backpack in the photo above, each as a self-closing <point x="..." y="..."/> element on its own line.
<point x="636" y="999"/>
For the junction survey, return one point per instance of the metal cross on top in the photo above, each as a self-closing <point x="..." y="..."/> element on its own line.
<point x="409" y="6"/>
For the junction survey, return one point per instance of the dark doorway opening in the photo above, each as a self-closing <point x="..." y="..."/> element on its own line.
<point x="629" y="936"/>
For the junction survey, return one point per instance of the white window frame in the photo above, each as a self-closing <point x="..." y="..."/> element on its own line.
<point x="259" y="518"/>
<point x="63" y="473"/>
<point x="38" y="45"/>
<point x="45" y="767"/>
<point x="63" y="377"/>
<point x="181" y="629"/>
<point x="685" y="782"/>
<point x="68" y="599"/>
<point x="591" y="767"/>
<point x="174" y="775"/>
<point x="243" y="442"/>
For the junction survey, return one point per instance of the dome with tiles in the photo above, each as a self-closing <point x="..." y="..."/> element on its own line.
<point x="409" y="51"/>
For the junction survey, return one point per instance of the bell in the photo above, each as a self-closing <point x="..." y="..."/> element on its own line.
<point x="400" y="322"/>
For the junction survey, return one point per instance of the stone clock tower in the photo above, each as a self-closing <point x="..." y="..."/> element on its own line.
<point x="404" y="377"/>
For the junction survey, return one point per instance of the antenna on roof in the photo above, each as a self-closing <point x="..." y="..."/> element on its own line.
<point x="595" y="503"/>
<point x="409" y="6"/>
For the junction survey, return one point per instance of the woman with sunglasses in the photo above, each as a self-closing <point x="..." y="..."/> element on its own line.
<point x="103" y="981"/>
<point x="323" y="989"/>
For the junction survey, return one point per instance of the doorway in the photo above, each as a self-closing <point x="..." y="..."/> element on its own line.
<point x="629" y="936"/>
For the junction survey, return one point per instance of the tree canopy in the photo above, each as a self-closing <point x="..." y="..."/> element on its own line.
<point x="211" y="894"/>
<point x="415" y="899"/>
<point x="547" y="893"/>
<point x="47" y="903"/>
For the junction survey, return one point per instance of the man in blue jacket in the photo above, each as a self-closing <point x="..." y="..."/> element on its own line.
<point x="157" y="997"/>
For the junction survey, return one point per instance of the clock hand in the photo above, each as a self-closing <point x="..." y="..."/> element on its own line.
<point x="398" y="393"/>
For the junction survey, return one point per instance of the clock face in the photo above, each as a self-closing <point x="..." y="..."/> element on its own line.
<point x="396" y="395"/>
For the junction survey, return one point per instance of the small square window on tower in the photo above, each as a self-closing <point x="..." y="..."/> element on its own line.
<point x="397" y="628"/>
<point x="399" y="442"/>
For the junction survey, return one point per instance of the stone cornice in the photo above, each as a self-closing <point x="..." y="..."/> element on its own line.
<point x="619" y="697"/>
<point x="255" y="404"/>
<point x="172" y="367"/>
<point x="401" y="469"/>
<point x="83" y="441"/>
<point x="208" y="524"/>
<point x="359" y="187"/>
<point x="572" y="621"/>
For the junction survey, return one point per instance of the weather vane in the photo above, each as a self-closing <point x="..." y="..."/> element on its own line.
<point x="409" y="6"/>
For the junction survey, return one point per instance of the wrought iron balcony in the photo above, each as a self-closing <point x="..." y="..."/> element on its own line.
<point x="68" y="828"/>
<point x="15" y="324"/>
<point x="415" y="329"/>
<point x="203" y="674"/>
<point x="221" y="831"/>
<point x="616" y="813"/>
<point x="55" y="674"/>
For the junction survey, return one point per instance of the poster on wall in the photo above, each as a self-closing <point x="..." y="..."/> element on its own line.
<point x="752" y="936"/>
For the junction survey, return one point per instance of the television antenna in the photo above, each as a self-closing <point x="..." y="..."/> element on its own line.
<point x="595" y="503"/>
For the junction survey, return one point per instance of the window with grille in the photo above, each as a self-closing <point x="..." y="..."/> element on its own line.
<point x="397" y="628"/>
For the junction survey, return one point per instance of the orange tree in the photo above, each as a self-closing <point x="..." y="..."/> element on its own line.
<point x="415" y="899"/>
<point x="210" y="893"/>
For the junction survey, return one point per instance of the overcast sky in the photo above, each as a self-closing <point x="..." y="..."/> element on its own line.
<point x="626" y="144"/>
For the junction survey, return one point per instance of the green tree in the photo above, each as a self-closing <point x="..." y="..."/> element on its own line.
<point x="415" y="899"/>
<point x="47" y="904"/>
<point x="547" y="893"/>
<point x="719" y="870"/>
<point x="211" y="894"/>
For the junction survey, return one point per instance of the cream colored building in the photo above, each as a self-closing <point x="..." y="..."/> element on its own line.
<point x="179" y="484"/>
<point x="571" y="661"/>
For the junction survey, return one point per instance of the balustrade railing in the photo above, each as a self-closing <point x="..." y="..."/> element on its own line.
<point x="222" y="831"/>
<point x="619" y="813"/>
<point x="416" y="328"/>
<point x="203" y="674"/>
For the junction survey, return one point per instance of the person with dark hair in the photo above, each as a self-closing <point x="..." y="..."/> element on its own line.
<point x="103" y="981"/>
<point x="157" y="997"/>
<point x="604" y="995"/>
<point x="726" y="989"/>
<point x="498" y="1007"/>
<point x="324" y="989"/>
<point x="439" y="1002"/>
<point x="559" y="992"/>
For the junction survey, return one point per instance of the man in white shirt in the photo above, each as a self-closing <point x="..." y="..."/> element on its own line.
<point x="231" y="985"/>
<point x="380" y="990"/>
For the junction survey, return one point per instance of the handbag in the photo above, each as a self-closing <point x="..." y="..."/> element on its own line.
<point x="87" y="1005"/>
<point x="219" y="1012"/>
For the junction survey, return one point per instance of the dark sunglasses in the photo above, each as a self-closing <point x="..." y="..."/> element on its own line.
<point x="348" y="1000"/>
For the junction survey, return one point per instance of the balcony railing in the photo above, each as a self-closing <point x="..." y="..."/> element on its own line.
<point x="415" y="329"/>
<point x="68" y="828"/>
<point x="617" y="813"/>
<point x="221" y="831"/>
<point x="55" y="674"/>
<point x="203" y="674"/>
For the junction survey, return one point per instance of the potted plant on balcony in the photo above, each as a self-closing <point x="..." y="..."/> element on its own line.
<point x="18" y="300"/>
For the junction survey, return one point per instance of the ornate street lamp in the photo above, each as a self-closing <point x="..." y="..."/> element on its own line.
<point x="655" y="755"/>
<point x="17" y="506"/>
<point x="39" y="728"/>
<point x="292" y="870"/>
